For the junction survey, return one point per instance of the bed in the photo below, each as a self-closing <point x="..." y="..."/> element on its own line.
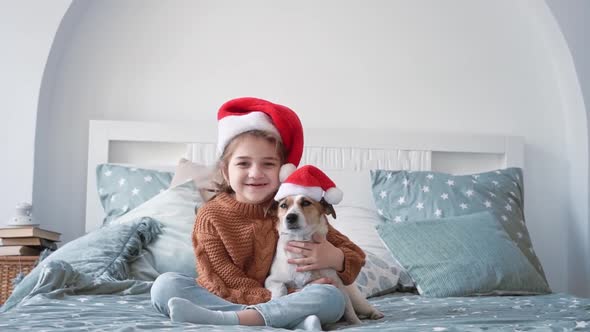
<point x="406" y="195"/>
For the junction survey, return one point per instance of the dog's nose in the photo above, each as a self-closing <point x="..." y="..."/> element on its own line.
<point x="291" y="218"/>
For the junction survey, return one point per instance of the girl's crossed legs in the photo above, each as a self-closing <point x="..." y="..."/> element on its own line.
<point x="192" y="303"/>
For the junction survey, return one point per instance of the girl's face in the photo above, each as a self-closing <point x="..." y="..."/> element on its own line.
<point x="252" y="170"/>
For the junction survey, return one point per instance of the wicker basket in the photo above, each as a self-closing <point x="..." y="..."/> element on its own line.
<point x="10" y="266"/>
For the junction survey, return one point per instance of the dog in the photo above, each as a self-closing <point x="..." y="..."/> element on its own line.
<point x="299" y="218"/>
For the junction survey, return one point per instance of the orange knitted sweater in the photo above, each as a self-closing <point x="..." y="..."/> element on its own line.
<point x="235" y="243"/>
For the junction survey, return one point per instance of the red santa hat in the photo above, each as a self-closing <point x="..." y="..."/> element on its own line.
<point x="244" y="114"/>
<point x="311" y="182"/>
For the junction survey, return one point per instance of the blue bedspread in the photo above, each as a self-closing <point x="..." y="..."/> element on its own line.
<point x="555" y="312"/>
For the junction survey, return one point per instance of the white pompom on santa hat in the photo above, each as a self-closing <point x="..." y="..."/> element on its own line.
<point x="245" y="114"/>
<point x="311" y="182"/>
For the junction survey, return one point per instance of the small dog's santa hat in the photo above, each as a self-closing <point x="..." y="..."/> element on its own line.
<point x="245" y="114"/>
<point x="311" y="182"/>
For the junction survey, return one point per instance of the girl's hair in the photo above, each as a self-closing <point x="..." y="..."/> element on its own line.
<point x="222" y="184"/>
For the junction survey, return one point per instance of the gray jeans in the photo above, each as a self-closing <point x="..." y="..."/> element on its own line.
<point x="324" y="301"/>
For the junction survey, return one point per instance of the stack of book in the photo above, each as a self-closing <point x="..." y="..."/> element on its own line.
<point x="26" y="241"/>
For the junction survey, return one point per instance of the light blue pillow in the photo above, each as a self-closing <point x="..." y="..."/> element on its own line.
<point x="462" y="256"/>
<point x="103" y="253"/>
<point x="122" y="188"/>
<point x="410" y="196"/>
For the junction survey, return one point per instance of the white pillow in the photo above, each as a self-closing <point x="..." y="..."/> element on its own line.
<point x="356" y="217"/>
<point x="356" y="186"/>
<point x="172" y="250"/>
<point x="358" y="224"/>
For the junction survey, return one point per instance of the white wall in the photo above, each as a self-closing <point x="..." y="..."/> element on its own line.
<point x="27" y="30"/>
<point x="572" y="17"/>
<point x="461" y="66"/>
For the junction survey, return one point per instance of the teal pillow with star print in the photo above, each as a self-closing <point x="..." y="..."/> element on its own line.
<point x="403" y="196"/>
<point x="122" y="188"/>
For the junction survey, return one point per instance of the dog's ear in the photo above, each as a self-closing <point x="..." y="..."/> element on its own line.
<point x="272" y="209"/>
<point x="328" y="208"/>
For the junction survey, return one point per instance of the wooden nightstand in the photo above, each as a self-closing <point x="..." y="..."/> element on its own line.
<point x="10" y="266"/>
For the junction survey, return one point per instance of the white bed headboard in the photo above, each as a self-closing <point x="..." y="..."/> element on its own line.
<point x="162" y="144"/>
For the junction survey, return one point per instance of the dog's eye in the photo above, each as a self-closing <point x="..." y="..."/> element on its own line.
<point x="305" y="203"/>
<point x="283" y="205"/>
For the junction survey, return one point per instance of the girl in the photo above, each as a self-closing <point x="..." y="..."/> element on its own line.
<point x="235" y="234"/>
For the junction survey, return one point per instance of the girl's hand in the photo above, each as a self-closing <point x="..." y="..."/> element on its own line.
<point x="317" y="254"/>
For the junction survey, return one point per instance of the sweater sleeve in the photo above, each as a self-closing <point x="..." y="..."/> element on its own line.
<point x="217" y="272"/>
<point x="354" y="257"/>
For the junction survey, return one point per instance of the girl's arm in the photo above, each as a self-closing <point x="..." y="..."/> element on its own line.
<point x="221" y="276"/>
<point x="354" y="257"/>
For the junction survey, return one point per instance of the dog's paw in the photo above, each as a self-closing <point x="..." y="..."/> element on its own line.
<point x="376" y="314"/>
<point x="277" y="294"/>
<point x="353" y="320"/>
